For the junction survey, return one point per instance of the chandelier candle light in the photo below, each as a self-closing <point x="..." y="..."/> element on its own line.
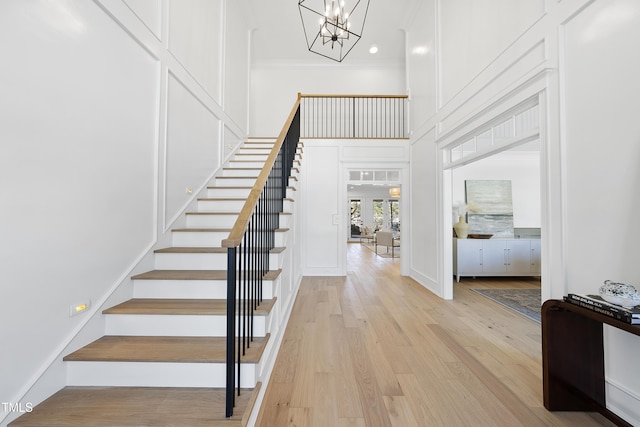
<point x="329" y="27"/>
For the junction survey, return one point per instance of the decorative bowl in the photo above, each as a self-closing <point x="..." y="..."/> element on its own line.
<point x="619" y="294"/>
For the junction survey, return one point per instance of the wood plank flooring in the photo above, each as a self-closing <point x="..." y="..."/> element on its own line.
<point x="377" y="349"/>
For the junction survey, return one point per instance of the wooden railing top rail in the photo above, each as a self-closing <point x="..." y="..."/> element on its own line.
<point x="240" y="226"/>
<point x="351" y="96"/>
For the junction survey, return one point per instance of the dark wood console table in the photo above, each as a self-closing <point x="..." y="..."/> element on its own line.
<point x="573" y="358"/>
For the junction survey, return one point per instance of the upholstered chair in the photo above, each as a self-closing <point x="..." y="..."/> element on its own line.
<point x="385" y="238"/>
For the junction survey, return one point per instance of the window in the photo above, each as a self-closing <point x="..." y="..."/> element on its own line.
<point x="356" y="217"/>
<point x="378" y="214"/>
<point x="394" y="214"/>
<point x="517" y="126"/>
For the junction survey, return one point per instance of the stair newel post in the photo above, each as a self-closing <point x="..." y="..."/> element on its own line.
<point x="231" y="316"/>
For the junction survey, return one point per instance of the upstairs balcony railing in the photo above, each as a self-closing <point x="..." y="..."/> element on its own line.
<point x="354" y="116"/>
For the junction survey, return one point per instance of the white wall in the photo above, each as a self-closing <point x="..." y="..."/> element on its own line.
<point x="275" y="87"/>
<point x="602" y="143"/>
<point x="324" y="196"/>
<point x="109" y="112"/>
<point x="521" y="168"/>
<point x="573" y="57"/>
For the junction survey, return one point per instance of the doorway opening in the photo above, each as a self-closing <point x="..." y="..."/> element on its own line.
<point x="373" y="208"/>
<point x="506" y="149"/>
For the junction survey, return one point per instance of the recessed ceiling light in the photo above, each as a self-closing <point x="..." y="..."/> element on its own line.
<point x="373" y="49"/>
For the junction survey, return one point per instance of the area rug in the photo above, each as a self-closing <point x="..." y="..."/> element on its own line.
<point x="524" y="301"/>
<point x="382" y="250"/>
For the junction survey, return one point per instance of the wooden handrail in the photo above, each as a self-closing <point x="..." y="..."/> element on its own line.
<point x="235" y="236"/>
<point x="351" y="96"/>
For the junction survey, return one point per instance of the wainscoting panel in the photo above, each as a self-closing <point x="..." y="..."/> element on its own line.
<point x="516" y="75"/>
<point x="474" y="34"/>
<point x="193" y="138"/>
<point x="149" y="12"/>
<point x="201" y="56"/>
<point x="321" y="208"/>
<point x="371" y="151"/>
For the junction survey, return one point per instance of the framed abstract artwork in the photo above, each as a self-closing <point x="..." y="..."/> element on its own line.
<point x="490" y="207"/>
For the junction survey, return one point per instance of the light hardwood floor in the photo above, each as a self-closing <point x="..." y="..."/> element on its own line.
<point x="377" y="349"/>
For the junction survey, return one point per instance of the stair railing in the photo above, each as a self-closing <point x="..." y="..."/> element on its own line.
<point x="354" y="116"/>
<point x="248" y="247"/>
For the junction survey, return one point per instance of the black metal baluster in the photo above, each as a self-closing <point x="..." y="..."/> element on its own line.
<point x="231" y="301"/>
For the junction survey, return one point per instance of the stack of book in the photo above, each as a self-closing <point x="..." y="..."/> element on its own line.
<point x="597" y="304"/>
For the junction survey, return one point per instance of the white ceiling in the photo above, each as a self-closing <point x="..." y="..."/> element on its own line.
<point x="278" y="34"/>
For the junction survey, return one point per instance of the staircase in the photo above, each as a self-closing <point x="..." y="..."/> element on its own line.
<point x="162" y="359"/>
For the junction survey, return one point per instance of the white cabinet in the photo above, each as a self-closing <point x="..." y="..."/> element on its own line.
<point x="496" y="257"/>
<point x="536" y="270"/>
<point x="469" y="256"/>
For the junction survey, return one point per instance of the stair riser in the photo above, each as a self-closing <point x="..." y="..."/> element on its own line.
<point x="228" y="192"/>
<point x="222" y="220"/>
<point x="191" y="289"/>
<point x="176" y="325"/>
<point x="240" y="171"/>
<point x="281" y="239"/>
<point x="245" y="164"/>
<point x="263" y="151"/>
<point x="234" y="181"/>
<point x="291" y="192"/>
<point x="285" y="221"/>
<point x="260" y="144"/>
<point x="212" y="221"/>
<point x="217" y="261"/>
<point x="154" y="374"/>
<point x="220" y="205"/>
<point x="188" y="239"/>
<point x="251" y="157"/>
<point x="212" y="239"/>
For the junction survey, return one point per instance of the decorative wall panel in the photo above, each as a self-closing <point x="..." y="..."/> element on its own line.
<point x="473" y="33"/>
<point x="195" y="39"/>
<point x="192" y="153"/>
<point x="236" y="71"/>
<point x="77" y="175"/>
<point x="149" y="12"/>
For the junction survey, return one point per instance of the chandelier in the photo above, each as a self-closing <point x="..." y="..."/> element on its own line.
<point x="329" y="26"/>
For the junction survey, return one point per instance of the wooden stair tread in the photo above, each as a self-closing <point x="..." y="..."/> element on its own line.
<point x="202" y="230"/>
<point x="139" y="406"/>
<point x="182" y="275"/>
<point x="212" y="213"/>
<point x="194" y="275"/>
<point x="212" y="230"/>
<point x="222" y="199"/>
<point x="242" y="169"/>
<point x="203" y="250"/>
<point x="180" y="306"/>
<point x="114" y="348"/>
